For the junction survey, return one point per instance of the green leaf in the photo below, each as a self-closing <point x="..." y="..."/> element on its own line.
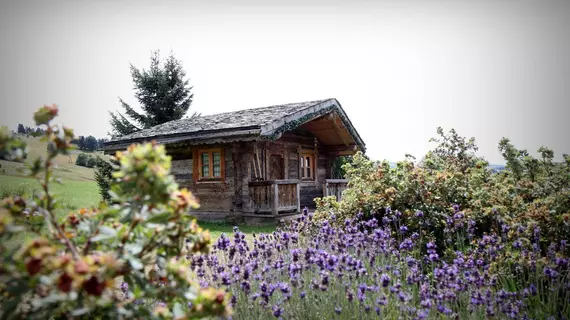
<point x="79" y="312"/>
<point x="190" y="295"/>
<point x="159" y="218"/>
<point x="126" y="214"/>
<point x="135" y="263"/>
<point x="108" y="231"/>
<point x="9" y="308"/>
<point x="142" y="285"/>
<point x="101" y="237"/>
<point x="178" y="312"/>
<point x="134" y="248"/>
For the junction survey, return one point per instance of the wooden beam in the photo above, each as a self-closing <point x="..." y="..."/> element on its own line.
<point x="337" y="149"/>
<point x="286" y="163"/>
<point x="298" y="196"/>
<point x="335" y="120"/>
<point x="255" y="173"/>
<point x="275" y="207"/>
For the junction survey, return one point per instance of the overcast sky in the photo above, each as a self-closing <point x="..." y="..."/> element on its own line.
<point x="399" y="68"/>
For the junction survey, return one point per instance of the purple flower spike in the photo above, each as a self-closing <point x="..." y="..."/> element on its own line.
<point x="385" y="279"/>
<point x="277" y="311"/>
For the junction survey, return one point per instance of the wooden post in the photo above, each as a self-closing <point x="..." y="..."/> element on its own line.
<point x="275" y="207"/>
<point x="298" y="197"/>
<point x="254" y="164"/>
<point x="266" y="155"/>
<point x="286" y="163"/>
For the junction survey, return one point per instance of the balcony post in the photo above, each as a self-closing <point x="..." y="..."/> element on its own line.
<point x="275" y="207"/>
<point x="298" y="197"/>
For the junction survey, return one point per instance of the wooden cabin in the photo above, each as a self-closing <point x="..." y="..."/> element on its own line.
<point x="256" y="164"/>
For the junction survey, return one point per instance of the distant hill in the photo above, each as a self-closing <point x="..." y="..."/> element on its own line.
<point x="66" y="168"/>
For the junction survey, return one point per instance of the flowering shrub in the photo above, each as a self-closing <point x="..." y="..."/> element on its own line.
<point x="123" y="260"/>
<point x="363" y="269"/>
<point x="534" y="192"/>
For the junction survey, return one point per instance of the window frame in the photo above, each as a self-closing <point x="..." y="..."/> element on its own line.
<point x="199" y="165"/>
<point x="302" y="169"/>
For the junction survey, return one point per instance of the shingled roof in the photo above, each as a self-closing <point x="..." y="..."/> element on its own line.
<point x="244" y="125"/>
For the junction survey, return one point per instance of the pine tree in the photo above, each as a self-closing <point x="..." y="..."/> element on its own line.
<point x="103" y="176"/>
<point x="81" y="142"/>
<point x="162" y="92"/>
<point x="100" y="143"/>
<point x="90" y="143"/>
<point x="21" y="129"/>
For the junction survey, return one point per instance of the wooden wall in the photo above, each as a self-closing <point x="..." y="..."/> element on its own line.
<point x="215" y="197"/>
<point x="230" y="198"/>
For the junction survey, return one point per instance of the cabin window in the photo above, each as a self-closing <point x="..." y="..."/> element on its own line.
<point x="307" y="164"/>
<point x="210" y="164"/>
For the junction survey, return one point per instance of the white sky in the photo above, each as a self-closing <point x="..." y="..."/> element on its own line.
<point x="399" y="68"/>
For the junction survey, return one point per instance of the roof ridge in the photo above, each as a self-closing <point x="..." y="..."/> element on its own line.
<point x="313" y="102"/>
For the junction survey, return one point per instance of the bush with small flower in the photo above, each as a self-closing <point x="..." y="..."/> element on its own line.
<point x="126" y="259"/>
<point x="530" y="191"/>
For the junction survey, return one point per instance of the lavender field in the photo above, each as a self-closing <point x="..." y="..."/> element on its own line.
<point x="378" y="269"/>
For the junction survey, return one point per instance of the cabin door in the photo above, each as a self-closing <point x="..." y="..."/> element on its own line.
<point x="276" y="167"/>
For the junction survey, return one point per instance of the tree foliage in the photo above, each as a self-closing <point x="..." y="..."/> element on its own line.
<point x="89" y="143"/>
<point x="82" y="159"/>
<point x="104" y="177"/>
<point x="163" y="93"/>
<point x="72" y="267"/>
<point x="21" y="129"/>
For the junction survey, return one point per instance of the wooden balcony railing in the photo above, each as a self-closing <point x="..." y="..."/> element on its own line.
<point x="275" y="196"/>
<point x="335" y="187"/>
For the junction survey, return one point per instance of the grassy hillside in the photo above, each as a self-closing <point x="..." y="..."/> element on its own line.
<point x="65" y="169"/>
<point x="78" y="188"/>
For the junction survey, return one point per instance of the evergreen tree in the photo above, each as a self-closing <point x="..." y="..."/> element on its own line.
<point x="100" y="143"/>
<point x="103" y="176"/>
<point x="163" y="93"/>
<point x="81" y="142"/>
<point x="90" y="143"/>
<point x="21" y="129"/>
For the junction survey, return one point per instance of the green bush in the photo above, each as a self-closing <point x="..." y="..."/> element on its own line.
<point x="86" y="160"/>
<point x="82" y="159"/>
<point x="91" y="162"/>
<point x="111" y="262"/>
<point x="530" y="191"/>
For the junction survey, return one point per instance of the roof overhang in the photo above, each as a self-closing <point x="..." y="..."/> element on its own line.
<point x="270" y="131"/>
<point x="303" y="118"/>
<point x="201" y="137"/>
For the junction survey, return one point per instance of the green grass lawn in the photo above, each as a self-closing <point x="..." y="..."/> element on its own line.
<point x="71" y="195"/>
<point x="217" y="228"/>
